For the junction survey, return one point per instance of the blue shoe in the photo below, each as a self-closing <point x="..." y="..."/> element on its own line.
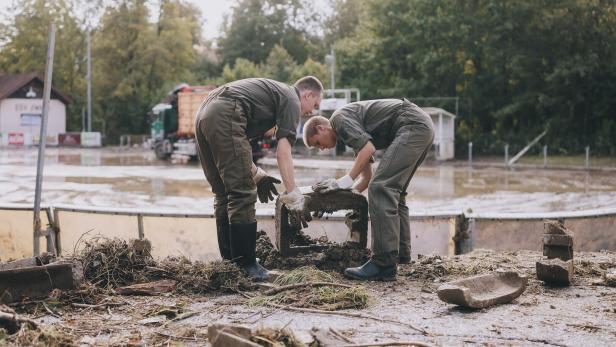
<point x="372" y="272"/>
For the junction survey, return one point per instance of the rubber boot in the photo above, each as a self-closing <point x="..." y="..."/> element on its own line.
<point x="404" y="260"/>
<point x="222" y="231"/>
<point x="243" y="246"/>
<point x="371" y="271"/>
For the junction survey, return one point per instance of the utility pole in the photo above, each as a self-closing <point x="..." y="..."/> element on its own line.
<point x="89" y="80"/>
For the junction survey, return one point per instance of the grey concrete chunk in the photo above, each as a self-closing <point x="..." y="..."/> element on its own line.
<point x="483" y="290"/>
<point x="557" y="240"/>
<point x="555" y="271"/>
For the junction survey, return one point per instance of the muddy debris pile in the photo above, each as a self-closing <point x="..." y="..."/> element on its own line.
<point x="112" y="264"/>
<point x="18" y="330"/>
<point x="309" y="287"/>
<point x="336" y="257"/>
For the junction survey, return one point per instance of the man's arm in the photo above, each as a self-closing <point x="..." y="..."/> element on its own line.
<point x="362" y="160"/>
<point x="364" y="178"/>
<point x="285" y="163"/>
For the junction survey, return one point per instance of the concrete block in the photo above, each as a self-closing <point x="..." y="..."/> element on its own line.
<point x="558" y="252"/>
<point x="557" y="240"/>
<point x="484" y="290"/>
<point x="555" y="271"/>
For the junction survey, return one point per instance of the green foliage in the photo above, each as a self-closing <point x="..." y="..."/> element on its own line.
<point x="256" y="26"/>
<point x="279" y="64"/>
<point x="518" y="67"/>
<point x="241" y="69"/>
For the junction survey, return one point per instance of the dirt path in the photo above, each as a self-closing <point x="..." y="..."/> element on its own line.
<point x="581" y="315"/>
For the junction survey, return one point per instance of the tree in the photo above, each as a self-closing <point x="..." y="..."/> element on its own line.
<point x="241" y="69"/>
<point x="256" y="26"/>
<point x="517" y="67"/>
<point x="279" y="65"/>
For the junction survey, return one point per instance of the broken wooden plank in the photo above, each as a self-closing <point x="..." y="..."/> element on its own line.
<point x="149" y="288"/>
<point x="35" y="281"/>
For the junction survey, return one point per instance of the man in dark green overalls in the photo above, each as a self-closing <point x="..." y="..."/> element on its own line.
<point x="405" y="132"/>
<point x="230" y="116"/>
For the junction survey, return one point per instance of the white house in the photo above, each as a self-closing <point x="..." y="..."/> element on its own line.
<point x="21" y="107"/>
<point x="444" y="132"/>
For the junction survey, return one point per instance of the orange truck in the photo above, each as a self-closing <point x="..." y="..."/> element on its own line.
<point x="173" y="125"/>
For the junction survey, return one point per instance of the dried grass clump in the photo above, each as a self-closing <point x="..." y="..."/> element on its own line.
<point x="199" y="277"/>
<point x="304" y="274"/>
<point x="111" y="263"/>
<point x="47" y="337"/>
<point x="323" y="297"/>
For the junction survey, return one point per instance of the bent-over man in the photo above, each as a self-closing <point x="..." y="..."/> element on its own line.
<point x="405" y="132"/>
<point x="230" y="116"/>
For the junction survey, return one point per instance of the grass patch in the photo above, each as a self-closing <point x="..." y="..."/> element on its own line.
<point x="322" y="297"/>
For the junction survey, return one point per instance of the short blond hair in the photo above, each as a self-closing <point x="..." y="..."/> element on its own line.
<point x="309" y="83"/>
<point x="310" y="127"/>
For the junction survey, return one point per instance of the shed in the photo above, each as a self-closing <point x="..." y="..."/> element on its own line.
<point x="21" y="108"/>
<point x="444" y="132"/>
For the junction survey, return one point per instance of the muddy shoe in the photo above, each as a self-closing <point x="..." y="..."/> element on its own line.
<point x="256" y="272"/>
<point x="371" y="271"/>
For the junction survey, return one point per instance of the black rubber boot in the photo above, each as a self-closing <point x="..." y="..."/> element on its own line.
<point x="222" y="231"/>
<point x="372" y="271"/>
<point x="243" y="245"/>
<point x="404" y="260"/>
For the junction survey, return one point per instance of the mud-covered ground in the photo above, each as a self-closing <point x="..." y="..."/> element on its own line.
<point x="583" y="314"/>
<point x="114" y="177"/>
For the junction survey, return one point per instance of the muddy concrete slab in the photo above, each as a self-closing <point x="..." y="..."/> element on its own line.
<point x="483" y="290"/>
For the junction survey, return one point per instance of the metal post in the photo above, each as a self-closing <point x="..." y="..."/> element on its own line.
<point x="89" y="81"/>
<point x="470" y="154"/>
<point x="42" y="142"/>
<point x="333" y="69"/>
<point x="588" y="157"/>
<point x="545" y="156"/>
<point x="507" y="155"/>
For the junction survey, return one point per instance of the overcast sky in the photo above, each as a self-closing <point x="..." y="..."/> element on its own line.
<point x="212" y="11"/>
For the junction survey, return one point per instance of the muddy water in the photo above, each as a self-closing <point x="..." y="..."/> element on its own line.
<point x="111" y="177"/>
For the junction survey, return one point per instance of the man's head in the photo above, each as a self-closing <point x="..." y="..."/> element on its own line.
<point x="310" y="91"/>
<point x="319" y="133"/>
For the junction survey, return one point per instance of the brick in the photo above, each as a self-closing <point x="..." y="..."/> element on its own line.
<point x="555" y="271"/>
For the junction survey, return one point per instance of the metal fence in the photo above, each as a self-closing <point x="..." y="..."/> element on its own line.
<point x="194" y="234"/>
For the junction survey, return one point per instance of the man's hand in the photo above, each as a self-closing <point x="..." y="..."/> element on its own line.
<point x="296" y="203"/>
<point x="265" y="185"/>
<point x="331" y="184"/>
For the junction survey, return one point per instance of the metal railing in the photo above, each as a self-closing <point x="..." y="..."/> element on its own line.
<point x="464" y="223"/>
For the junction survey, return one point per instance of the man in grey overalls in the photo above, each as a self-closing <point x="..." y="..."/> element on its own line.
<point x="406" y="132"/>
<point x="230" y="116"/>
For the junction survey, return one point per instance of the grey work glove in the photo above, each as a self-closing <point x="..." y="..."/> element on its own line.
<point x="296" y="203"/>
<point x="266" y="190"/>
<point x="331" y="184"/>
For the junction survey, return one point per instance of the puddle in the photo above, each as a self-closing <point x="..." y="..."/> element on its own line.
<point x="110" y="177"/>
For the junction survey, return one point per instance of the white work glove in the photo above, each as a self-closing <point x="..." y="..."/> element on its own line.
<point x="296" y="203"/>
<point x="331" y="184"/>
<point x="265" y="185"/>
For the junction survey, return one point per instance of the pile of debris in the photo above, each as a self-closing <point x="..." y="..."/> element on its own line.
<point x="336" y="257"/>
